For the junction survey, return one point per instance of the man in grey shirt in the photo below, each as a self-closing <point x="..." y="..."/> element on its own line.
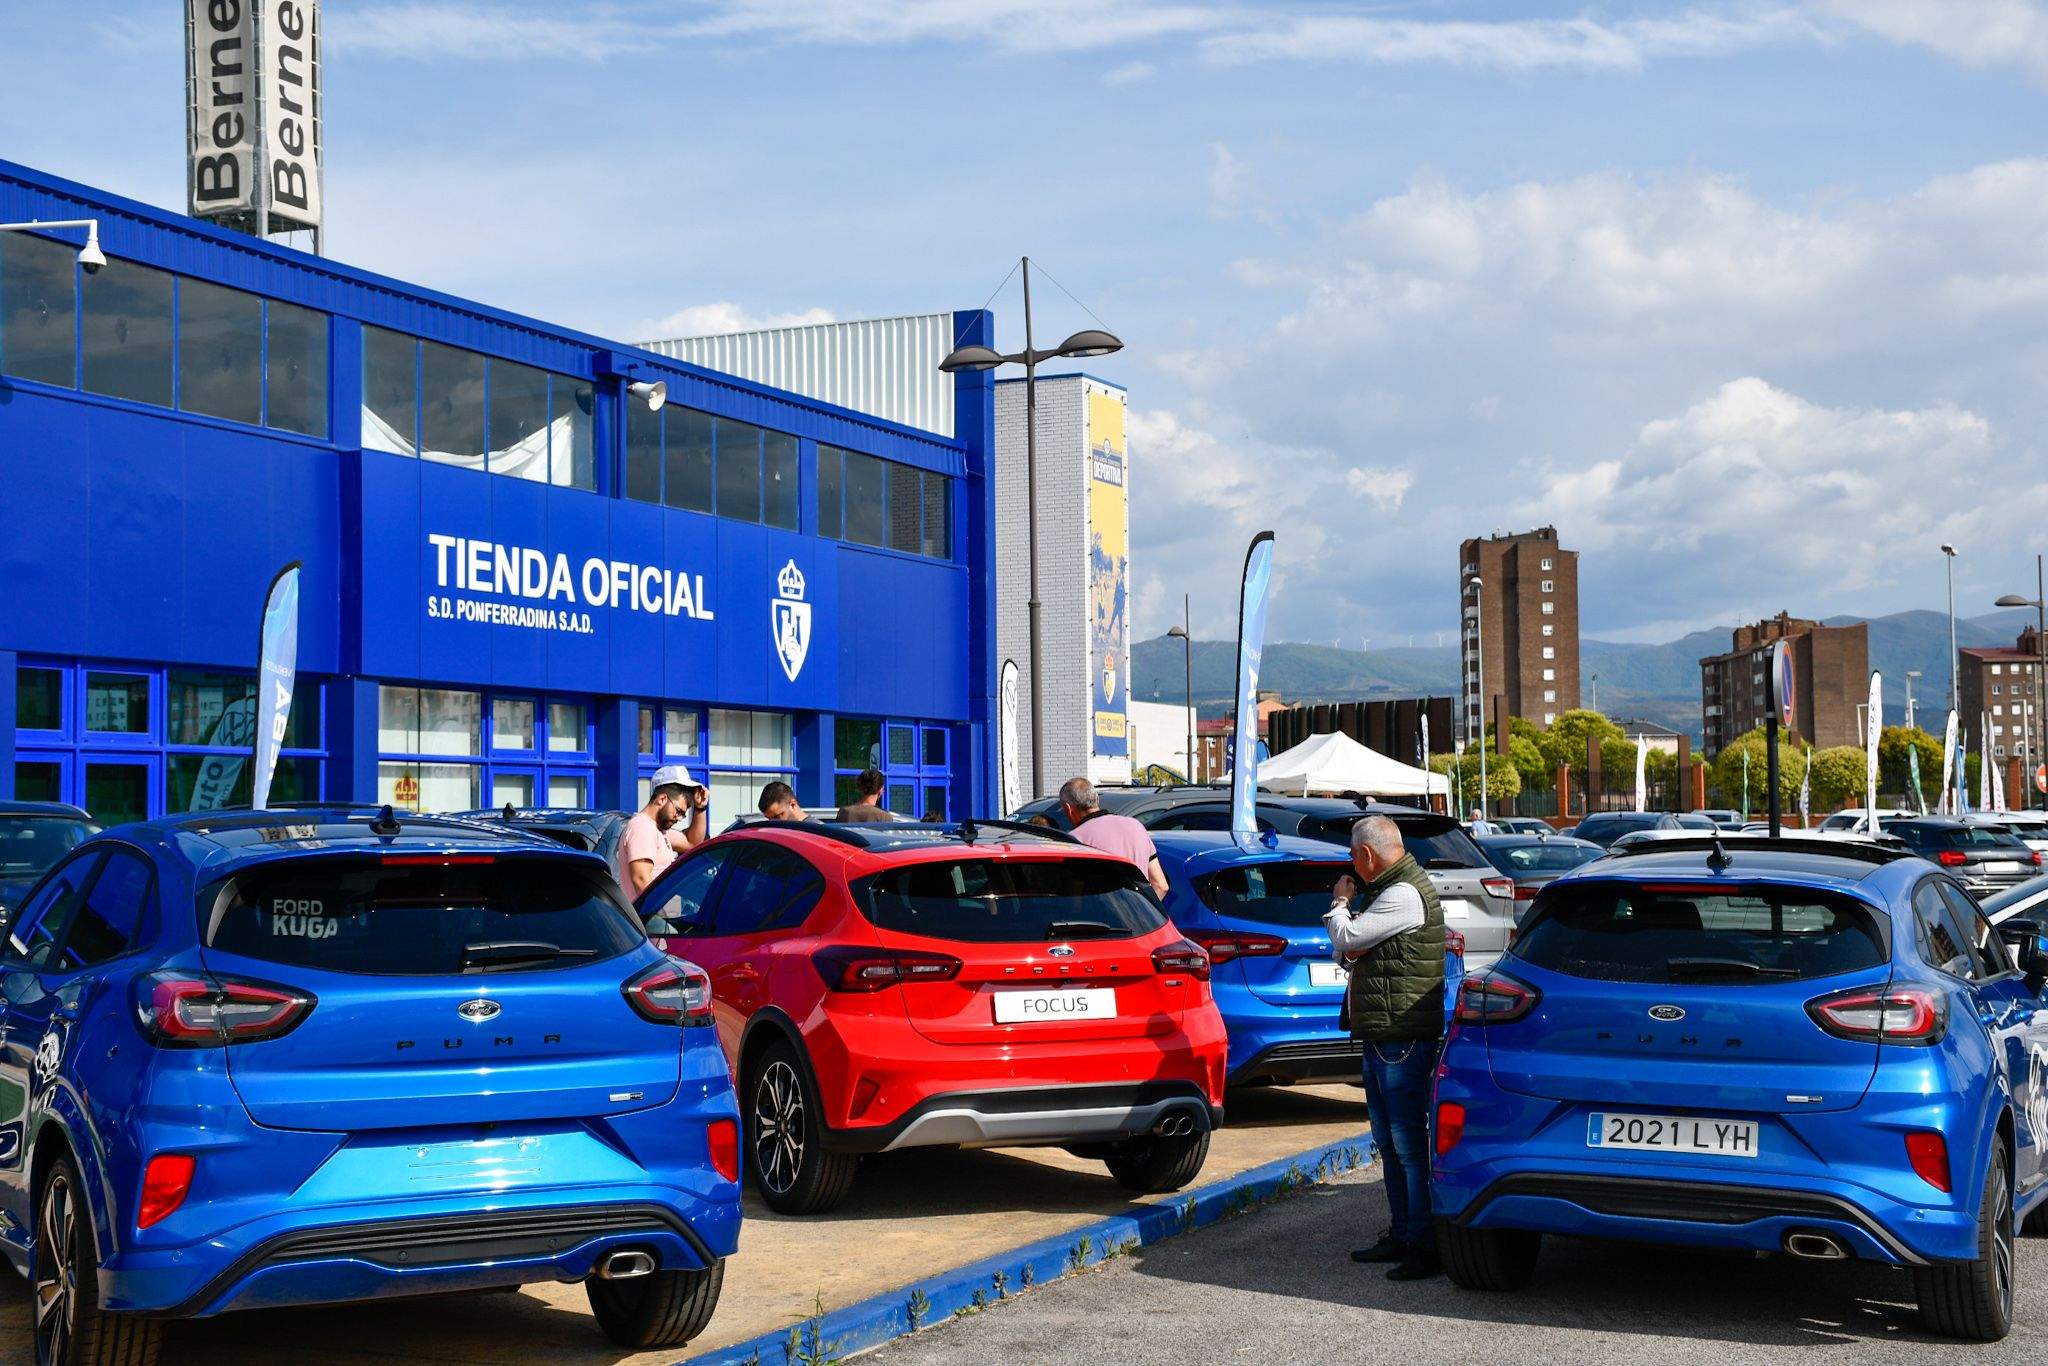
<point x="1375" y="847"/>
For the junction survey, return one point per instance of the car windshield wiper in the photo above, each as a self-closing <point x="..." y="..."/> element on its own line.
<point x="513" y="952"/>
<point x="1715" y="967"/>
<point x="1082" y="929"/>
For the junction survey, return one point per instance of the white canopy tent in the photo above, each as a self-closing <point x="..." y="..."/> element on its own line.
<point x="1335" y="762"/>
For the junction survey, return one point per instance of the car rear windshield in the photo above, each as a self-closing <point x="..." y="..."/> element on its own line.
<point x="1272" y="893"/>
<point x="1964" y="837"/>
<point x="1435" y="843"/>
<point x="29" y="844"/>
<point x="986" y="901"/>
<point x="1544" y="857"/>
<point x="1671" y="933"/>
<point x="364" y="916"/>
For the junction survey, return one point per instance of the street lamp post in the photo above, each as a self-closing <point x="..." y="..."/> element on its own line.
<point x="1479" y="639"/>
<point x="1187" y="643"/>
<point x="1088" y="342"/>
<point x="1911" y="674"/>
<point x="1596" y="699"/>
<point x="2039" y="602"/>
<point x="1949" y="554"/>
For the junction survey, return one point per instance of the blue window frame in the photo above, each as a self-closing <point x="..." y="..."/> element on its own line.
<point x="915" y="760"/>
<point x="456" y="749"/>
<point x="871" y="501"/>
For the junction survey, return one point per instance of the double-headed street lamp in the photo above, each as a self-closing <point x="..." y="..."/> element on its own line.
<point x="2040" y="605"/>
<point x="1088" y="342"/>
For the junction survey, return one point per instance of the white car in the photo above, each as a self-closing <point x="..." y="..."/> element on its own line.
<point x="2029" y="899"/>
<point x="1852" y="819"/>
<point x="2030" y="826"/>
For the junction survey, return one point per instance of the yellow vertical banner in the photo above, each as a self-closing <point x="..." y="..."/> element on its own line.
<point x="1109" y="573"/>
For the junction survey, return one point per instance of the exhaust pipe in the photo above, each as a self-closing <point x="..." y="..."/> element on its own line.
<point x="625" y="1265"/>
<point x="1176" y="1124"/>
<point x="1822" y="1247"/>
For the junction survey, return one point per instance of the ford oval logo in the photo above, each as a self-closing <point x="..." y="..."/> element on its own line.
<point x="1060" y="951"/>
<point x="1667" y="1012"/>
<point x="479" y="1010"/>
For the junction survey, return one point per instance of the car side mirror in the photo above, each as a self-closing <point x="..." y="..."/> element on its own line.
<point x="2023" y="939"/>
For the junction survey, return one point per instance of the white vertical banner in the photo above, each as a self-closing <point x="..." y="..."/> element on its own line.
<point x="289" y="72"/>
<point x="1984" y="762"/>
<point x="1806" y="792"/>
<point x="1874" y="721"/>
<point x="1006" y="740"/>
<point x="220" y="97"/>
<point x="1948" y="767"/>
<point x="1642" y="774"/>
<point x="1251" y="645"/>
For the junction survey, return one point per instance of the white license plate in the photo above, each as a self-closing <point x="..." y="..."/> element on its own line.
<point x="1081" y="1003"/>
<point x="1673" y="1134"/>
<point x="1455" y="909"/>
<point x="1327" y="975"/>
<point x="2001" y="866"/>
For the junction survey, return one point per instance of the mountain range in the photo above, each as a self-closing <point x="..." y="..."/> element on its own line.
<point x="1658" y="683"/>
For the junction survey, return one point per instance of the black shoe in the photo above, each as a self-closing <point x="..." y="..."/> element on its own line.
<point x="1416" y="1268"/>
<point x="1387" y="1249"/>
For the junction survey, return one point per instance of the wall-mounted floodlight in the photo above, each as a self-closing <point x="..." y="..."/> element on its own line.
<point x="654" y="395"/>
<point x="90" y="257"/>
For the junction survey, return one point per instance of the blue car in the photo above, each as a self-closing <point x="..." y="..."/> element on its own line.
<point x="264" y="1059"/>
<point x="1810" y="1047"/>
<point x="1258" y="911"/>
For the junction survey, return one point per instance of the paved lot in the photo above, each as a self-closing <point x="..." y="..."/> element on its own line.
<point x="1276" y="1286"/>
<point x="910" y="1215"/>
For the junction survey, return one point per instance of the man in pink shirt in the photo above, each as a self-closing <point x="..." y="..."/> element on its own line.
<point x="1119" y="835"/>
<point x="651" y="837"/>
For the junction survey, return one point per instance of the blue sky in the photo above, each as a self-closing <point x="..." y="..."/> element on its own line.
<point x="1745" y="297"/>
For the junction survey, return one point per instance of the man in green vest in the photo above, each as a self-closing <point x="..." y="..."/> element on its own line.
<point x="1390" y="931"/>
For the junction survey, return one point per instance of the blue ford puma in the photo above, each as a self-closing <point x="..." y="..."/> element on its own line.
<point x="263" y="1059"/>
<point x="1800" y="1046"/>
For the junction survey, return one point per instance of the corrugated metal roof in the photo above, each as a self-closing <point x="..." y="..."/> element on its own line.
<point x="886" y="367"/>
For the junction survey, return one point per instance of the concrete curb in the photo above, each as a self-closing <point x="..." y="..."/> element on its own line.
<point x="933" y="1300"/>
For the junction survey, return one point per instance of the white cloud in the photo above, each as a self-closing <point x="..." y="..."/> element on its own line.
<point x="715" y="320"/>
<point x="1382" y="487"/>
<point x="1130" y="73"/>
<point x="1977" y="33"/>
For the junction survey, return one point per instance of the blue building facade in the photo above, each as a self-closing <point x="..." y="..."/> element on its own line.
<point x="520" y="582"/>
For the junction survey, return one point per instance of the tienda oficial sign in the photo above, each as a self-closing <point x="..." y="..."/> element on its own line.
<point x="546" y="589"/>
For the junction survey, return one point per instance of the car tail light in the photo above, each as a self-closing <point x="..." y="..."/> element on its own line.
<point x="671" y="992"/>
<point x="199" y="1010"/>
<point x="1928" y="1152"/>
<point x="1902" y="1015"/>
<point x="1181" y="955"/>
<point x="722" y="1138"/>
<point x="165" y="1182"/>
<point x="1454" y="942"/>
<point x="1951" y="858"/>
<point x="1224" y="945"/>
<point x="2034" y="857"/>
<point x="1493" y="997"/>
<point x="1450" y="1125"/>
<point x="1525" y="893"/>
<point x="1503" y="887"/>
<point x="849" y="968"/>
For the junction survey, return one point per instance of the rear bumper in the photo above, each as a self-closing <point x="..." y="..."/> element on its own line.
<point x="1036" y="1116"/>
<point x="1324" y="1058"/>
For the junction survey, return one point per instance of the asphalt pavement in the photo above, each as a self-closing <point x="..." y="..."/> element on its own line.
<point x="1277" y="1285"/>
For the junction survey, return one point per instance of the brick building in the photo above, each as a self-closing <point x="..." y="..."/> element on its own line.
<point x="1528" y="615"/>
<point x="1831" y="673"/>
<point x="1996" y="686"/>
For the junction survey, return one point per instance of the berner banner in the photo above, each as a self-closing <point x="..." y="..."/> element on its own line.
<point x="252" y="71"/>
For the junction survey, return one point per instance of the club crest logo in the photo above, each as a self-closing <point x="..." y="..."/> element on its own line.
<point x="790" y="618"/>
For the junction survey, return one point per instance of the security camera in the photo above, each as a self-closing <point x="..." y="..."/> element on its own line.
<point x="90" y="257"/>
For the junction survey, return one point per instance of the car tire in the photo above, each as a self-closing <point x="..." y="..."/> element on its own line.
<point x="1973" y="1299"/>
<point x="1487" y="1258"/>
<point x="70" y="1327"/>
<point x="786" y="1138"/>
<point x="662" y="1309"/>
<point x="1156" y="1163"/>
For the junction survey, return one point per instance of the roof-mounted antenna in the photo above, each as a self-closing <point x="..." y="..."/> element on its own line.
<point x="506" y="814"/>
<point x="967" y="830"/>
<point x="386" y="822"/>
<point x="1719" y="859"/>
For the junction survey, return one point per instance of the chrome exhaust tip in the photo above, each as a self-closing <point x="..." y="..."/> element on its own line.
<point x="1176" y="1124"/>
<point x="626" y="1265"/>
<point x="1822" y="1247"/>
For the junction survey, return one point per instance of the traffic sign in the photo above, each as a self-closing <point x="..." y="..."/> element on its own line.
<point x="1782" y="681"/>
<point x="2041" y="778"/>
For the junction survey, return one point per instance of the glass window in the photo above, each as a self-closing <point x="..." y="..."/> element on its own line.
<point x="643" y="453"/>
<point x="38" y="313"/>
<point x="864" y="521"/>
<point x="38" y="698"/>
<point x="906" y="507"/>
<point x="902" y="799"/>
<point x="567" y="789"/>
<point x="207" y="782"/>
<point x="117" y="704"/>
<point x="857" y="744"/>
<point x="34" y="935"/>
<point x="512" y="721"/>
<point x="830" y="460"/>
<point x="116" y="793"/>
<point x="1026" y="901"/>
<point x="127" y="348"/>
<point x="390" y="392"/>
<point x="766" y="888"/>
<point x="938" y="516"/>
<point x="902" y="747"/>
<point x="687" y="459"/>
<point x="516" y="788"/>
<point x="519" y="421"/>
<point x="114" y="912"/>
<point x="431" y="787"/>
<point x="1730" y="935"/>
<point x="1549" y="608"/>
<point x="430" y="721"/>
<point x="575" y="457"/>
<point x="934" y="747"/>
<point x="451" y="405"/>
<point x="567" y="731"/>
<point x="646" y="729"/>
<point x="733" y="794"/>
<point x="38" y="780"/>
<point x="679" y="733"/>
<point x="220" y="352"/>
<point x="732" y="738"/>
<point x="218" y="709"/>
<point x="779" y="481"/>
<point x="295" y="374"/>
<point x="686" y="892"/>
<point x="1291" y="894"/>
<point x="739" y="470"/>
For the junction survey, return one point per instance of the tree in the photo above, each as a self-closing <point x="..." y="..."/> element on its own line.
<point x="1527" y="758"/>
<point x="1565" y="741"/>
<point x="1894" y="768"/>
<point x="1724" y="775"/>
<point x="1502" y="779"/>
<point x="1838" y="777"/>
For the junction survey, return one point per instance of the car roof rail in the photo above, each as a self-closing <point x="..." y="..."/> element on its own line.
<point x="846" y="834"/>
<point x="1047" y="832"/>
<point x="1728" y="846"/>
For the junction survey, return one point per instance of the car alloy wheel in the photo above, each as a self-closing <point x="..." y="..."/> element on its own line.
<point x="56" y="1282"/>
<point x="778" y="1126"/>
<point x="2002" y="1245"/>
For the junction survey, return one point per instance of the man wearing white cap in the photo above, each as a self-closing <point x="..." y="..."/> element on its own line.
<point x="651" y="837"/>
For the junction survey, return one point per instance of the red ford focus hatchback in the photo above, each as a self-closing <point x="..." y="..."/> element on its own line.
<point x="899" y="986"/>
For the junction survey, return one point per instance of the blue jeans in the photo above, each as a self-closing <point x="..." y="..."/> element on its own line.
<point x="1397" y="1089"/>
